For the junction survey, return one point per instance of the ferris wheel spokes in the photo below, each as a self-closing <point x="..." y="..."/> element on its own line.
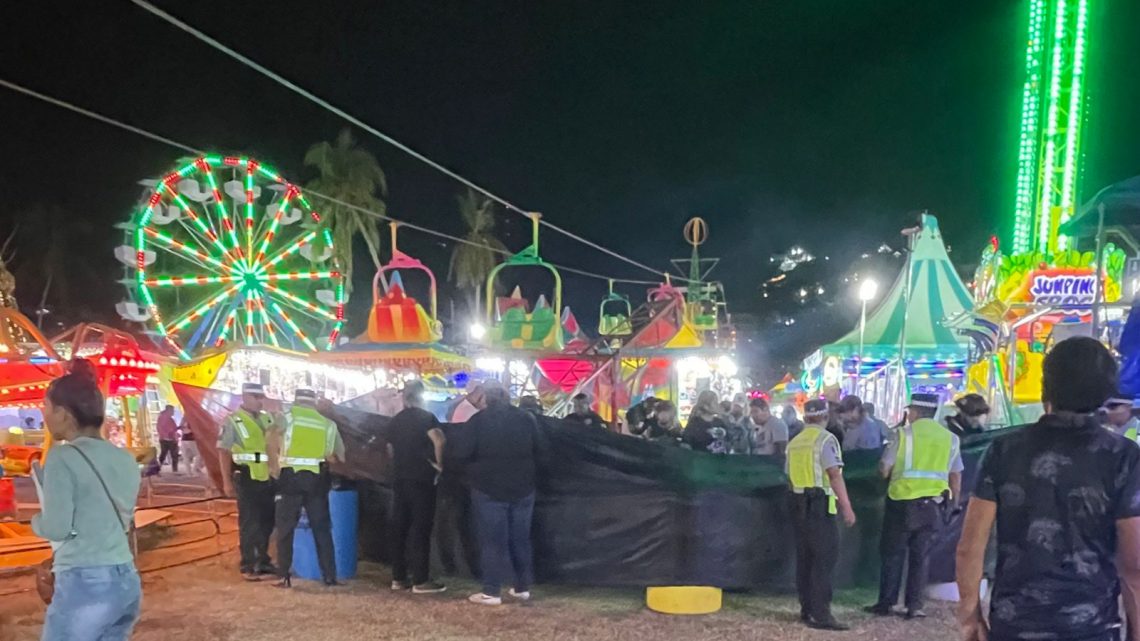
<point x="253" y="275"/>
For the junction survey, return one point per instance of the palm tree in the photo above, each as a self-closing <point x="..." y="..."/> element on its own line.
<point x="471" y="263"/>
<point x="352" y="175"/>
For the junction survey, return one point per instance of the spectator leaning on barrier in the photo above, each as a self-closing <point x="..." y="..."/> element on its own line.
<point x="1065" y="496"/>
<point x="973" y="411"/>
<point x="416" y="444"/>
<point x="582" y="414"/>
<point x="502" y="447"/>
<point x="768" y="434"/>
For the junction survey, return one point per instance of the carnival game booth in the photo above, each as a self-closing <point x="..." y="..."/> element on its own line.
<point x="905" y="345"/>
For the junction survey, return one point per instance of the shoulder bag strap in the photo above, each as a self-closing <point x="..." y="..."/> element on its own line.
<point x="114" y="503"/>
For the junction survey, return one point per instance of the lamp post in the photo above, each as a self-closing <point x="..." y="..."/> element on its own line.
<point x="868" y="289"/>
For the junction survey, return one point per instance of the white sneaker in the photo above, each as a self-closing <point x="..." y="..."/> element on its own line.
<point x="521" y="596"/>
<point x="483" y="599"/>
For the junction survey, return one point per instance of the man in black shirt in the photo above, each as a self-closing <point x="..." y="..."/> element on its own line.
<point x="1065" y="494"/>
<point x="501" y="445"/>
<point x="416" y="462"/>
<point x="582" y="414"/>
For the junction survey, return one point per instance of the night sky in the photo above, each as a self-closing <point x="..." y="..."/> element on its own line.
<point x="823" y="123"/>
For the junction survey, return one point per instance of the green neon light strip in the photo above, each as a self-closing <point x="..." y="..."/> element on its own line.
<point x="1045" y="222"/>
<point x="264" y="316"/>
<point x="1030" y="108"/>
<point x="293" y="326"/>
<point x="1073" y="128"/>
<point x="248" y="208"/>
<point x="181" y="281"/>
<point x="199" y="311"/>
<point x="169" y="242"/>
<point x="209" y="232"/>
<point x="272" y="233"/>
<point x="291" y="249"/>
<point x="301" y="302"/>
<point x="248" y="318"/>
<point x="279" y="276"/>
<point x="223" y="336"/>
<point x="223" y="215"/>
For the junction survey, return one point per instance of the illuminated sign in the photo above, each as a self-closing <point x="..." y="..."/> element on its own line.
<point x="1063" y="289"/>
<point x="832" y="370"/>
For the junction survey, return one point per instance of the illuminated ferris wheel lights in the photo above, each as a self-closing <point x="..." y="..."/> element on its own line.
<point x="217" y="223"/>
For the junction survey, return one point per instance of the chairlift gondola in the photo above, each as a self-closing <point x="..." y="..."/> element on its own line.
<point x="510" y="324"/>
<point x="397" y="317"/>
<point x="614" y="314"/>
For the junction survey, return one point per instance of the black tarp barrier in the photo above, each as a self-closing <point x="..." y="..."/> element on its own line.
<point x="618" y="510"/>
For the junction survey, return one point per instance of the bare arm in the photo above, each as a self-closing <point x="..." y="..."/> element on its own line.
<point x="1128" y="565"/>
<point x="839" y="487"/>
<point x="226" y="463"/>
<point x="273" y="446"/>
<point x="438" y="440"/>
<point x="885" y="470"/>
<point x="955" y="488"/>
<point x="980" y="517"/>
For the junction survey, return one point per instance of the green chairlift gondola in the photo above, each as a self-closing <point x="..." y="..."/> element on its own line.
<point x="614" y="315"/>
<point x="510" y="324"/>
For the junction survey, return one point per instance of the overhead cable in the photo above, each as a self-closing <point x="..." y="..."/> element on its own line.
<point x="184" y="147"/>
<point x="190" y="29"/>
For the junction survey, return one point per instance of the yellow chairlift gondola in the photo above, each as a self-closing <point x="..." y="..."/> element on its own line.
<point x="510" y="323"/>
<point x="614" y="315"/>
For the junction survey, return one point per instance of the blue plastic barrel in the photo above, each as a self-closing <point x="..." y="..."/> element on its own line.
<point x="343" y="508"/>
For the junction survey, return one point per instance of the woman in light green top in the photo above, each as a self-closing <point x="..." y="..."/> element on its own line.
<point x="89" y="492"/>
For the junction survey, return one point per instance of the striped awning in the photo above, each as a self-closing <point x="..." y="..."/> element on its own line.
<point x="937" y="294"/>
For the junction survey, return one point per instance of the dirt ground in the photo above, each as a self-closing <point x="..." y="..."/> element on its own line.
<point x="206" y="601"/>
<point x="192" y="592"/>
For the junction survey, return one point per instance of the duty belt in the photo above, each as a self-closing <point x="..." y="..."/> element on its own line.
<point x="296" y="460"/>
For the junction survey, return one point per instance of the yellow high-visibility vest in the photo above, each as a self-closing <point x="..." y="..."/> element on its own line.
<point x="309" y="439"/>
<point x="249" y="450"/>
<point x="805" y="460"/>
<point x="922" y="464"/>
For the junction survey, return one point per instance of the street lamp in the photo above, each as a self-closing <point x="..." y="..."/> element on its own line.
<point x="868" y="289"/>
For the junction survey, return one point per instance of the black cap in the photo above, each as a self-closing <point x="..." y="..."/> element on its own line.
<point x="929" y="401"/>
<point x="815" y="407"/>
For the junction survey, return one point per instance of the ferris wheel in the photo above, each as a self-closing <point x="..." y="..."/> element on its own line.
<point x="223" y="250"/>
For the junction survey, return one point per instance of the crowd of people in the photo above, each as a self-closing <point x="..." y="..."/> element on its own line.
<point x="1063" y="495"/>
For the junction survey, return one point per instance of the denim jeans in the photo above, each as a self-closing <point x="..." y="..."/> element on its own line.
<point x="504" y="541"/>
<point x="99" y="603"/>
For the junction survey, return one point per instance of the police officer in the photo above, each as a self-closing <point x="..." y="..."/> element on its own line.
<point x="815" y="473"/>
<point x="924" y="465"/>
<point x="243" y="434"/>
<point x="308" y="442"/>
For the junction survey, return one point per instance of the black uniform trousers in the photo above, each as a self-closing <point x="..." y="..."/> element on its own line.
<point x="413" y="515"/>
<point x="255" y="520"/>
<point x="817" y="551"/>
<point x="908" y="531"/>
<point x="308" y="490"/>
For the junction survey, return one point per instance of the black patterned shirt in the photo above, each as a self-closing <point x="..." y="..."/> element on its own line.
<point x="1060" y="486"/>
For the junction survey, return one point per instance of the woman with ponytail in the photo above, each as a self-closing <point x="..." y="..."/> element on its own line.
<point x="89" y="493"/>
